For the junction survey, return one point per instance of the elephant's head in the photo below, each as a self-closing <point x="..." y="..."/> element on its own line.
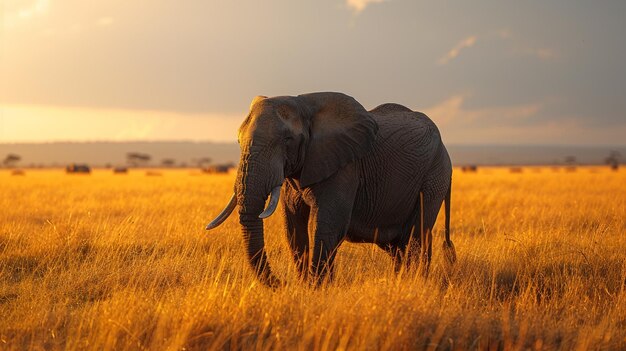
<point x="306" y="137"/>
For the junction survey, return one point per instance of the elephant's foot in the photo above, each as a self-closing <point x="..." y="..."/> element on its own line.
<point x="320" y="276"/>
<point x="269" y="279"/>
<point x="273" y="282"/>
<point x="302" y="267"/>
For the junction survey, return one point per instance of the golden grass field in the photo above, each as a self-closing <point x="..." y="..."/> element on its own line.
<point x="122" y="262"/>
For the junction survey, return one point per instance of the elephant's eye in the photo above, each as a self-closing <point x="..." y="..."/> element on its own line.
<point x="288" y="139"/>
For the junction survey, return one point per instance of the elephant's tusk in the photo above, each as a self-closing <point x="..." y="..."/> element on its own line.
<point x="225" y="213"/>
<point x="271" y="207"/>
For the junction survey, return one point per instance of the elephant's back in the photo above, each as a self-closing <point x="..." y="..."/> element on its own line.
<point x="400" y="127"/>
<point x="389" y="108"/>
<point x="392" y="174"/>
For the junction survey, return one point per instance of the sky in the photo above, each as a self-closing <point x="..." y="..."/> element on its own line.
<point x="486" y="71"/>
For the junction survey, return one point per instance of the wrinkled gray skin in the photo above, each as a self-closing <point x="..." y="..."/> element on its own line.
<point x="346" y="174"/>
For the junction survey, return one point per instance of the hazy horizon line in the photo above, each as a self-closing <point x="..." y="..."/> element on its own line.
<point x="199" y="141"/>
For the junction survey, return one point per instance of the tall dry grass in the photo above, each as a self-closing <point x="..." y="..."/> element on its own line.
<point x="123" y="263"/>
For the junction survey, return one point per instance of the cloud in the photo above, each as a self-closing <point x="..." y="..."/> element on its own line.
<point x="456" y="50"/>
<point x="453" y="112"/>
<point x="359" y="5"/>
<point x="491" y="124"/>
<point x="518" y="46"/>
<point x="565" y="131"/>
<point x="26" y="11"/>
<point x="37" y="7"/>
<point x="544" y="54"/>
<point x="517" y="124"/>
<point x="513" y="46"/>
<point x="504" y="33"/>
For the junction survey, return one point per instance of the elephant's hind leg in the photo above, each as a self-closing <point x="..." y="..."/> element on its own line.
<point x="418" y="249"/>
<point x="429" y="205"/>
<point x="397" y="255"/>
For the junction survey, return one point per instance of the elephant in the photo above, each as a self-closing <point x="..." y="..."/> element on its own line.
<point x="341" y="173"/>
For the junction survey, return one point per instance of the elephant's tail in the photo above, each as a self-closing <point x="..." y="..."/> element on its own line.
<point x="448" y="196"/>
<point x="448" y="247"/>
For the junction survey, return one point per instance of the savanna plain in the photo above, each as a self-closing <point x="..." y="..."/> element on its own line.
<point x="122" y="262"/>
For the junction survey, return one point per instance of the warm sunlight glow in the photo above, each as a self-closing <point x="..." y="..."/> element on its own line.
<point x="360" y="5"/>
<point x="385" y="127"/>
<point x="27" y="123"/>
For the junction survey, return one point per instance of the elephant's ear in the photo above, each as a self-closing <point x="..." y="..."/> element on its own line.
<point x="341" y="132"/>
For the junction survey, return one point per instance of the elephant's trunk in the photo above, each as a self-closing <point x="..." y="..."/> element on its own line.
<point x="251" y="195"/>
<point x="252" y="229"/>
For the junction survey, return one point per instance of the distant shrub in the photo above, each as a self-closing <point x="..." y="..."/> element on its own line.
<point x="78" y="169"/>
<point x="469" y="169"/>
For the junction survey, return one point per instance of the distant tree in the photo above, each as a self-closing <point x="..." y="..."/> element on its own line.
<point x="202" y="161"/>
<point x="136" y="159"/>
<point x="168" y="162"/>
<point x="219" y="168"/>
<point x="570" y="160"/>
<point x="570" y="163"/>
<point x="77" y="169"/>
<point x="11" y="160"/>
<point x="469" y="168"/>
<point x="613" y="159"/>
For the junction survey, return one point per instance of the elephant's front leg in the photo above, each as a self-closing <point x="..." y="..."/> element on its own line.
<point x="329" y="230"/>
<point x="329" y="223"/>
<point x="296" y="225"/>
